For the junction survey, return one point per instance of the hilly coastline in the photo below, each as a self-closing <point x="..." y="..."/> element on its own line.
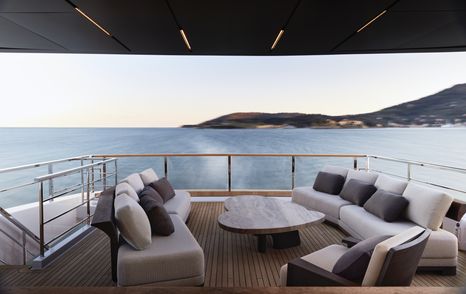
<point x="445" y="108"/>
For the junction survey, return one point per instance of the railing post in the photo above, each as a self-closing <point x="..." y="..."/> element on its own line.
<point x="24" y="248"/>
<point x="104" y="179"/>
<point x="355" y="163"/>
<point x="409" y="172"/>
<point x="92" y="176"/>
<point x="50" y="170"/>
<point x="41" y="218"/>
<point x="368" y="163"/>
<point x="116" y="172"/>
<point x="293" y="169"/>
<point x="88" y="204"/>
<point x="229" y="173"/>
<point x="165" y="166"/>
<point x="82" y="182"/>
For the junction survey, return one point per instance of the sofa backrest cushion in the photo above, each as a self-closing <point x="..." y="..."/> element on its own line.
<point x="132" y="222"/>
<point x="160" y="221"/>
<point x="125" y="188"/>
<point x="335" y="170"/>
<point x="390" y="184"/>
<point x="134" y="180"/>
<point x="364" y="176"/>
<point x="357" y="191"/>
<point x="427" y="207"/>
<point x="352" y="265"/>
<point x="329" y="183"/>
<point x="386" y="205"/>
<point x="380" y="253"/>
<point x="148" y="176"/>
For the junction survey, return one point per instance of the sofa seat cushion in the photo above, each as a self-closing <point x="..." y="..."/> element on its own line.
<point x="314" y="200"/>
<point x="441" y="245"/>
<point x="180" y="204"/>
<point x="367" y="225"/>
<point x="169" y="258"/>
<point x="427" y="207"/>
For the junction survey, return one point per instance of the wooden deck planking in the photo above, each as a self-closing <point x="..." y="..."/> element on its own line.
<point x="232" y="260"/>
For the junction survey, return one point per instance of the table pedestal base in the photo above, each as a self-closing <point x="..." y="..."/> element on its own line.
<point x="280" y="240"/>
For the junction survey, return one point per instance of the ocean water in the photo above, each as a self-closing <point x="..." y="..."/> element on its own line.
<point x="28" y="145"/>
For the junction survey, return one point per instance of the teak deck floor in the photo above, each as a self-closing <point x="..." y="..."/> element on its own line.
<point x="232" y="259"/>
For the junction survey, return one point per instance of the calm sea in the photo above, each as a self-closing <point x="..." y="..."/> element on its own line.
<point x="28" y="145"/>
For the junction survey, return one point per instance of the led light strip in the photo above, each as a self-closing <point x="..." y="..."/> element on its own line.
<point x="277" y="39"/>
<point x="371" y="21"/>
<point x="185" y="39"/>
<point x="93" y="21"/>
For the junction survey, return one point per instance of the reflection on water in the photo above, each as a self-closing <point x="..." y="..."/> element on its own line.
<point x="22" y="146"/>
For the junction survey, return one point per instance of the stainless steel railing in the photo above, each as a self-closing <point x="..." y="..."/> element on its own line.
<point x="86" y="187"/>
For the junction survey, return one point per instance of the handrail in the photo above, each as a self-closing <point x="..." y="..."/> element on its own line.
<point x="227" y="154"/>
<point x="71" y="170"/>
<point x="419" y="163"/>
<point x="44" y="163"/>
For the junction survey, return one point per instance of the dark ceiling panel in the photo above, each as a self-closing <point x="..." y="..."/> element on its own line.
<point x="319" y="26"/>
<point x="145" y="26"/>
<point x="241" y="27"/>
<point x="14" y="36"/>
<point x="70" y="30"/>
<point x="429" y="5"/>
<point x="413" y="29"/>
<point x="34" y="6"/>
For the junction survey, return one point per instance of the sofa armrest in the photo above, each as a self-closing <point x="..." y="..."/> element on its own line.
<point x="302" y="273"/>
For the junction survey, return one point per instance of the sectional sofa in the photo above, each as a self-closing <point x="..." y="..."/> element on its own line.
<point x="174" y="260"/>
<point x="427" y="208"/>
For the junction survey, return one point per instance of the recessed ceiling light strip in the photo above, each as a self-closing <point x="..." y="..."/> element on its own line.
<point x="282" y="30"/>
<point x="180" y="28"/>
<point x="371" y="21"/>
<point x="92" y="21"/>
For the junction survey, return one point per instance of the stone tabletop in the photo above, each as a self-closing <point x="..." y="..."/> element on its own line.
<point x="250" y="214"/>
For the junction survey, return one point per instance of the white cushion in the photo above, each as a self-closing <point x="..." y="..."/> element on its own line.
<point x="335" y="170"/>
<point x="125" y="188"/>
<point x="134" y="180"/>
<point x="169" y="260"/>
<point x="390" y="184"/>
<point x="148" y="176"/>
<point x="427" y="207"/>
<point x="132" y="222"/>
<point x="180" y="204"/>
<point x="311" y="199"/>
<point x="324" y="258"/>
<point x="381" y="250"/>
<point x="364" y="176"/>
<point x="367" y="225"/>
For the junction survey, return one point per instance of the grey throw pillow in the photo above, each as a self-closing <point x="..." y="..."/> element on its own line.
<point x="386" y="205"/>
<point x="329" y="183"/>
<point x="357" y="191"/>
<point x="159" y="219"/>
<point x="164" y="188"/>
<point x="353" y="264"/>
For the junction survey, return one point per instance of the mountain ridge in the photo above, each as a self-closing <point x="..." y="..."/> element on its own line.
<point x="444" y="108"/>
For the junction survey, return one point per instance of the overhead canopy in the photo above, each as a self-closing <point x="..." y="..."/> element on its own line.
<point x="232" y="27"/>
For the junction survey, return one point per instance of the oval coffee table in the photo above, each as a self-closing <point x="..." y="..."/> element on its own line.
<point x="262" y="216"/>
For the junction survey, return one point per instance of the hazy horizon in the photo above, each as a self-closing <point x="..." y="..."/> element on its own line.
<point x="73" y="90"/>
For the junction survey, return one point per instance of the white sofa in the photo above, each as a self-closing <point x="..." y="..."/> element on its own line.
<point x="427" y="208"/>
<point x="174" y="260"/>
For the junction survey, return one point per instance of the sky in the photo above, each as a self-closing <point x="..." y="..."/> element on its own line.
<point x="73" y="90"/>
